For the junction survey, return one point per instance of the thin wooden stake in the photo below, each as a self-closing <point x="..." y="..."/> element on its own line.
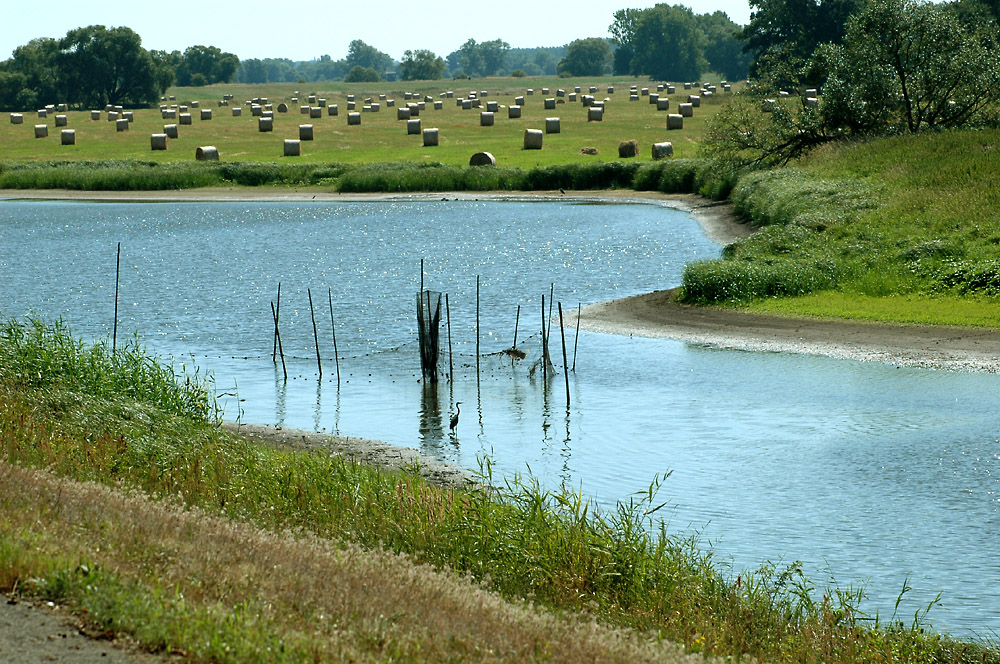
<point x="312" y="313"/>
<point x="562" y="333"/>
<point x="517" y="320"/>
<point x="579" y="308"/>
<point x="274" y="345"/>
<point x="545" y="344"/>
<point x="333" y="327"/>
<point x="421" y="275"/>
<point x="118" y="265"/>
<point x="477" y="327"/>
<point x="548" y="327"/>
<point x="451" y="363"/>
<point x="281" y="352"/>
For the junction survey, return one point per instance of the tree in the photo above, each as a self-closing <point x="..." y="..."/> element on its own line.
<point x="360" y="54"/>
<point x="101" y="66"/>
<point x="422" y="65"/>
<point x="494" y="55"/>
<point x="359" y="74"/>
<point x="622" y="35"/>
<point x="470" y="59"/>
<point x="32" y="77"/>
<point x="586" y="57"/>
<point x="480" y="59"/>
<point x="211" y="62"/>
<point x="667" y="44"/>
<point x="723" y="49"/>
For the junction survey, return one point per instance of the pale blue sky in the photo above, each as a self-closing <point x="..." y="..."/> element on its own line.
<point x="303" y="30"/>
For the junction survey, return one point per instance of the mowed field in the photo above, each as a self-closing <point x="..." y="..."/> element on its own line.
<point x="380" y="137"/>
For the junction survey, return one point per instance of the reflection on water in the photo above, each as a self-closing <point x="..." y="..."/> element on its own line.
<point x="867" y="473"/>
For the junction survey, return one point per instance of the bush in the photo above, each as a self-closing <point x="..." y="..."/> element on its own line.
<point x="518" y="73"/>
<point x="707" y="282"/>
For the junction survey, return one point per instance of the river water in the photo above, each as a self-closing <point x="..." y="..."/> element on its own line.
<point x="870" y="474"/>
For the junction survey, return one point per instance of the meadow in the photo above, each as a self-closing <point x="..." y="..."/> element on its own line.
<point x="380" y="137"/>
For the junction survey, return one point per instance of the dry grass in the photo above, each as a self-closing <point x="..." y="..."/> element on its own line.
<point x="323" y="601"/>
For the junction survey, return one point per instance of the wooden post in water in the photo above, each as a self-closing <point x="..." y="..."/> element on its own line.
<point x="517" y="320"/>
<point x="114" y="332"/>
<point x="333" y="327"/>
<point x="579" y="309"/>
<point x="274" y="315"/>
<point x="277" y="312"/>
<point x="477" y="327"/>
<point x="421" y="275"/>
<point x="312" y="313"/>
<point x="545" y="344"/>
<point x="451" y="362"/>
<point x="552" y="297"/>
<point x="562" y="333"/>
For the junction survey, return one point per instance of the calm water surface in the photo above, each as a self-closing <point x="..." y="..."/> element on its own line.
<point x="867" y="473"/>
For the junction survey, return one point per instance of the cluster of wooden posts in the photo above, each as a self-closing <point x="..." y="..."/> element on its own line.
<point x="409" y="110"/>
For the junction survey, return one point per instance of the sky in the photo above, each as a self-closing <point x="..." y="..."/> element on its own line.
<point x="307" y="30"/>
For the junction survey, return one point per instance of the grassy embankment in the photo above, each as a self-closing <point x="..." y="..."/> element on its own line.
<point x="120" y="497"/>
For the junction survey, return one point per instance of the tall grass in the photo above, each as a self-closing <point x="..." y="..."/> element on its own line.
<point x="551" y="547"/>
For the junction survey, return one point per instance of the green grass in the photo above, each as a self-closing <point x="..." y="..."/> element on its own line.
<point x="551" y="547"/>
<point x="380" y="137"/>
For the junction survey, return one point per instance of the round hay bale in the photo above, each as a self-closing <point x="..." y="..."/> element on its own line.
<point x="550" y="103"/>
<point x="61" y="121"/>
<point x="237" y="111"/>
<point x="593" y="89"/>
<point x="627" y="149"/>
<point x="654" y="98"/>
<point x="351" y="105"/>
<point x="687" y="110"/>
<point x="519" y="100"/>
<point x="333" y="109"/>
<point x="576" y="89"/>
<point x="43" y="113"/>
<point x="694" y="100"/>
<point x="560" y="93"/>
<point x="545" y="91"/>
<point x="552" y="125"/>
<point x="112" y="116"/>
<point x="129" y="115"/>
<point x="183" y="118"/>
<point x="492" y="106"/>
<point x="513" y="111"/>
<point x="168" y="114"/>
<point x="170" y="130"/>
<point x="62" y="108"/>
<point x="421" y="106"/>
<point x="68" y="136"/>
<point x="687" y="86"/>
<point x="486" y="119"/>
<point x="122" y="124"/>
<point x="195" y="104"/>
<point x="413" y="126"/>
<point x="414" y="109"/>
<point x="533" y="139"/>
<point x="390" y="103"/>
<point x="530" y="91"/>
<point x="207" y="153"/>
<point x="293" y="148"/>
<point x="206" y="114"/>
<point x="376" y="107"/>
<point x="438" y="105"/>
<point x="402" y="113"/>
<point x="611" y="89"/>
<point x="183" y="108"/>
<point x="315" y="112"/>
<point x="95" y="115"/>
<point x="482" y="159"/>
<point x="645" y="92"/>
<point x="305" y="132"/>
<point x="663" y="104"/>
<point x="41" y="131"/>
<point x="589" y="150"/>
<point x="304" y="110"/>
<point x="321" y="102"/>
<point x="431" y="137"/>
<point x="16" y="118"/>
<point x="727" y="88"/>
<point x="312" y="99"/>
<point x="595" y="114"/>
<point x="350" y="97"/>
<point x="265" y="124"/>
<point x="633" y="97"/>
<point x="282" y="107"/>
<point x="158" y="142"/>
<point x="663" y="150"/>
<point x="354" y="118"/>
<point x="675" y="121"/>
<point x="671" y="89"/>
<point x="811" y="102"/>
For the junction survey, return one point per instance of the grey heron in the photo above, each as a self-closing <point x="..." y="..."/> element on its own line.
<point x="454" y="418"/>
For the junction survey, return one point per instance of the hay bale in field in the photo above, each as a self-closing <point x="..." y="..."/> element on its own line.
<point x="628" y="149"/>
<point x="62" y="108"/>
<point x="595" y="114"/>
<point x="237" y="112"/>
<point x="694" y="100"/>
<point x="350" y="97"/>
<point x="43" y="113"/>
<point x="438" y="105"/>
<point x="727" y="88"/>
<point x="206" y="114"/>
<point x="321" y="102"/>
<point x="645" y="92"/>
<point x="207" y="153"/>
<point x="811" y="102"/>
<point x="552" y="125"/>
<point x="576" y="89"/>
<point x="402" y="113"/>
<point x="354" y="118"/>
<point x="482" y="159"/>
<point x="376" y="107"/>
<point x="158" y="142"/>
<point x="450" y="94"/>
<point x="304" y="110"/>
<point x="168" y="114"/>
<point x="195" y="104"/>
<point x="422" y="106"/>
<point x="633" y="97"/>
<point x="414" y="109"/>
<point x="660" y="87"/>
<point x="533" y="139"/>
<point x="431" y="137"/>
<point x="95" y="115"/>
<point x="783" y="93"/>
<point x="593" y="89"/>
<point x="687" y="86"/>
<point x="61" y="121"/>
<point x="486" y="118"/>
<point x="170" y="130"/>
<point x="41" y="131"/>
<point x="112" y="116"/>
<point x="315" y="112"/>
<point x="653" y="98"/>
<point x="312" y="99"/>
<point x="413" y="126"/>
<point x="293" y="148"/>
<point x="529" y="91"/>
<point x="282" y="107"/>
<point x="767" y="106"/>
<point x="390" y="103"/>
<point x="183" y="108"/>
<point x="560" y="93"/>
<point x="587" y="100"/>
<point x="589" y="150"/>
<point x="68" y="136"/>
<point x="611" y="89"/>
<point x="466" y="104"/>
<point x="382" y="97"/>
<point x="663" y="150"/>
<point x="305" y="132"/>
<point x="550" y="103"/>
<point x="122" y="124"/>
<point x="513" y="111"/>
<point x="663" y="104"/>
<point x="129" y="115"/>
<point x="671" y="89"/>
<point x="519" y="100"/>
<point x="687" y="110"/>
<point x="333" y="109"/>
<point x="16" y="118"/>
<point x="675" y="121"/>
<point x="183" y="118"/>
<point x="492" y="106"/>
<point x="265" y="124"/>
